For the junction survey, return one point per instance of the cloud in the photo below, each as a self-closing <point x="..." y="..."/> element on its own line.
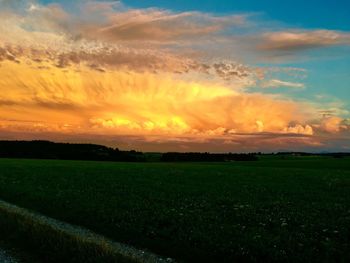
<point x="123" y="105"/>
<point x="115" y="22"/>
<point x="107" y="38"/>
<point x="232" y="70"/>
<point x="14" y="4"/>
<point x="276" y="83"/>
<point x="299" y="129"/>
<point x="334" y="124"/>
<point x="103" y="69"/>
<point x="138" y="103"/>
<point x="149" y="25"/>
<point x="287" y="41"/>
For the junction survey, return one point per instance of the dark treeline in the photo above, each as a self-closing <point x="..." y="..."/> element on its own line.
<point x="332" y="154"/>
<point x="74" y="151"/>
<point x="207" y="157"/>
<point x="65" y="151"/>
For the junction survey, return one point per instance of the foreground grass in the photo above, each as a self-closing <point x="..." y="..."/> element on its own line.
<point x="56" y="241"/>
<point x="272" y="210"/>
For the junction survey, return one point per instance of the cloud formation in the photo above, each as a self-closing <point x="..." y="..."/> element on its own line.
<point x="103" y="69"/>
<point x="141" y="102"/>
<point x="300" y="129"/>
<point x="155" y="25"/>
<point x="301" y="40"/>
<point x="334" y="124"/>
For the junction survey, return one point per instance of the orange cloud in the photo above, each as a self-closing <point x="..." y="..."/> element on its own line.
<point x="299" y="129"/>
<point x="120" y="72"/>
<point x="333" y="124"/>
<point x="300" y="40"/>
<point x="136" y="103"/>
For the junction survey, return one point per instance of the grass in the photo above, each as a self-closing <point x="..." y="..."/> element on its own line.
<point x="291" y="210"/>
<point x="56" y="241"/>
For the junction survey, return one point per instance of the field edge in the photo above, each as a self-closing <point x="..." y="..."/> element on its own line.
<point x="58" y="241"/>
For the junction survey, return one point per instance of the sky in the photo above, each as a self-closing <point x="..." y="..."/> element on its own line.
<point x="218" y="76"/>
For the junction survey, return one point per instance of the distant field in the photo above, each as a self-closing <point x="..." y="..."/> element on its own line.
<point x="294" y="209"/>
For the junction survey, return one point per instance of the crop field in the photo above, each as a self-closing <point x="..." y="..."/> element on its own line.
<point x="294" y="209"/>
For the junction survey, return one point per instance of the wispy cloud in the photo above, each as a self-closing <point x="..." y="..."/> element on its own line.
<point x="158" y="26"/>
<point x="296" y="40"/>
<point x="276" y="83"/>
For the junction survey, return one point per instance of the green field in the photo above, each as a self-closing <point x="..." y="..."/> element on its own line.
<point x="294" y="209"/>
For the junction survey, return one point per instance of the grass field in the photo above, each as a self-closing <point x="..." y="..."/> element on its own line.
<point x="294" y="209"/>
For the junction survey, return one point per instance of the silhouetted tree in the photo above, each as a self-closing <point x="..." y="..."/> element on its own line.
<point x="66" y="151"/>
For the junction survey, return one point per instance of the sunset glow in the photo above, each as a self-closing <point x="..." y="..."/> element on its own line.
<point x="157" y="79"/>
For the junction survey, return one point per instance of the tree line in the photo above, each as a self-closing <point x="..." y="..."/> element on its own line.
<point x="73" y="151"/>
<point x="66" y="151"/>
<point x="207" y="157"/>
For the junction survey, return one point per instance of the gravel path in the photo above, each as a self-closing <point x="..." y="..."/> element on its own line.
<point x="6" y="258"/>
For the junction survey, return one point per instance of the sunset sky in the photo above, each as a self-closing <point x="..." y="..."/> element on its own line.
<point x="217" y="76"/>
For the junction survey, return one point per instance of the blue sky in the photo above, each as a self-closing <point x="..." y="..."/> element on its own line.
<point x="302" y="13"/>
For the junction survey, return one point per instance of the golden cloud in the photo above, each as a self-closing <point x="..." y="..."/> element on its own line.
<point x="119" y="73"/>
<point x="122" y="102"/>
